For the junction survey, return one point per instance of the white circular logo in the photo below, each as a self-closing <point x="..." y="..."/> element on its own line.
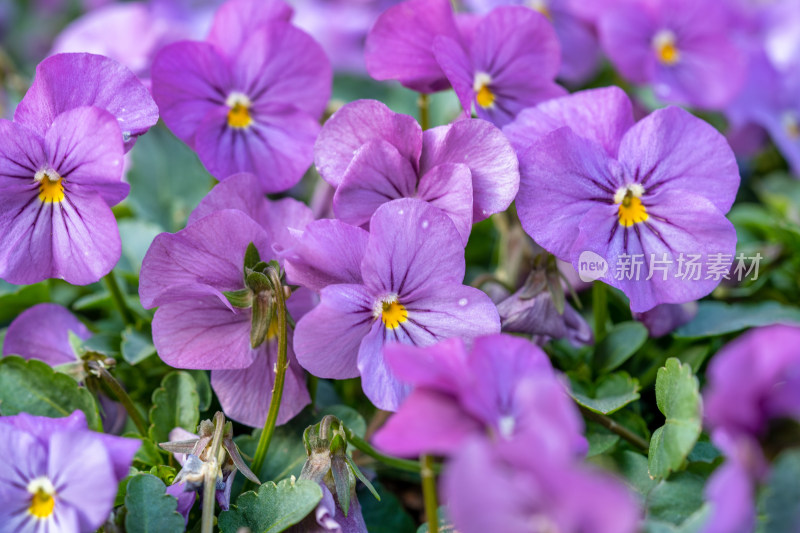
<point x="591" y="266"/>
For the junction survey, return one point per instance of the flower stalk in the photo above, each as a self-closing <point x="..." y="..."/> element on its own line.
<point x="599" y="309"/>
<point x="118" y="297"/>
<point x="215" y="459"/>
<point x="99" y="369"/>
<point x="429" y="492"/>
<point x="395" y="462"/>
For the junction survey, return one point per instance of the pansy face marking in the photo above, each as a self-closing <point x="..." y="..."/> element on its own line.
<point x="483" y="93"/>
<point x="666" y="48"/>
<point x="631" y="209"/>
<point x="50" y="187"/>
<point x="391" y="312"/>
<point x="43" y="497"/>
<point x="239" y="114"/>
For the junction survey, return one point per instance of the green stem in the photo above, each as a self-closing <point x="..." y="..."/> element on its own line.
<point x="312" y="383"/>
<point x="395" y="462"/>
<point x="119" y="299"/>
<point x="210" y="481"/>
<point x="614" y="427"/>
<point x="280" y="375"/>
<point x="117" y="390"/>
<point x="429" y="492"/>
<point x="424" y="103"/>
<point x="599" y="310"/>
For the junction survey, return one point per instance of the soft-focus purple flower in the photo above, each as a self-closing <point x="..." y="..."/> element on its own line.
<point x="504" y="386"/>
<point x="580" y="55"/>
<point x="42" y="332"/>
<point x="400" y="44"/>
<point x="681" y="47"/>
<point x="407" y="289"/>
<point x="56" y="475"/>
<point x="56" y="192"/>
<point x="509" y="487"/>
<point x="64" y="82"/>
<point x="373" y="155"/>
<point x="328" y="518"/>
<point x="186" y="273"/>
<point x="666" y="318"/>
<point x="248" y="99"/>
<point x="538" y="316"/>
<point x="510" y="64"/>
<point x="648" y="198"/>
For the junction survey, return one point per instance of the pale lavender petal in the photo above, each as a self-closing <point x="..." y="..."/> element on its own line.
<point x="354" y="125"/>
<point x="449" y="187"/>
<point x="399" y="45"/>
<point x="236" y="20"/>
<point x="42" y="332"/>
<point x="21" y="155"/>
<point x="675" y="149"/>
<point x="626" y="32"/>
<point x="121" y="451"/>
<point x="412" y="245"/>
<point x="602" y="115"/>
<point x="327" y="339"/>
<point x="67" y="81"/>
<point x="580" y="49"/>
<point x="378" y="173"/>
<point x="380" y="384"/>
<point x="487" y="153"/>
<point x="730" y="494"/>
<point x="326" y="253"/>
<point x="185" y="499"/>
<point x="456" y="63"/>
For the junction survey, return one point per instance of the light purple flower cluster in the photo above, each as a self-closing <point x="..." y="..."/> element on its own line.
<point x="56" y="475"/>
<point x="503" y="417"/>
<point x="752" y="382"/>
<point x="61" y="169"/>
<point x="247" y="99"/>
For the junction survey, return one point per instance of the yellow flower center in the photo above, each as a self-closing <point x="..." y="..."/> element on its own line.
<point x="541" y="7"/>
<point x="393" y="314"/>
<point x="42" y="500"/>
<point x="50" y="186"/>
<point x="272" y="331"/>
<point x="239" y="114"/>
<point x="631" y="209"/>
<point x="664" y="43"/>
<point x="483" y="94"/>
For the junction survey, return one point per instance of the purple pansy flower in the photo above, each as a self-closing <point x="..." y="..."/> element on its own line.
<point x="681" y="47"/>
<point x="400" y="44"/>
<point x="56" y="192"/>
<point x="406" y="287"/>
<point x="666" y="318"/>
<point x="648" y="198"/>
<point x="56" y="475"/>
<point x="504" y="386"/>
<point x="579" y="47"/>
<point x="509" y="486"/>
<point x="248" y="99"/>
<point x="538" y="316"/>
<point x="27" y="338"/>
<point x="373" y="155"/>
<point x="67" y="81"/>
<point x="195" y="326"/>
<point x="510" y="64"/>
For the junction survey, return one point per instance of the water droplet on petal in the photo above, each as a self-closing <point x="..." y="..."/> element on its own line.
<point x="401" y="212"/>
<point x="462" y="302"/>
<point x="425" y="224"/>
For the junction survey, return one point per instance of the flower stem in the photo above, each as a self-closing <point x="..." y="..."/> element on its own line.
<point x="609" y="423"/>
<point x="210" y="481"/>
<point x="429" y="492"/>
<point x="118" y="390"/>
<point x="280" y="374"/>
<point x="599" y="310"/>
<point x="424" y="103"/>
<point x="119" y="299"/>
<point x="395" y="462"/>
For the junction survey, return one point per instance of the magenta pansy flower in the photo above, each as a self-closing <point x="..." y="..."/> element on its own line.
<point x="682" y="47"/>
<point x="67" y="81"/>
<point x="406" y="287"/>
<point x="185" y="274"/>
<point x="503" y="386"/>
<point x="579" y="47"/>
<point x="510" y="487"/>
<point x="27" y="338"/>
<point x="373" y="155"/>
<point x="56" y="475"/>
<point x="56" y="192"/>
<point x="510" y="64"/>
<point x="246" y="101"/>
<point x="647" y="200"/>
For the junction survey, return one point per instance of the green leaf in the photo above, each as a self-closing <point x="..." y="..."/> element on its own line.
<point x="203" y="388"/>
<point x="148" y="453"/>
<point x="136" y="346"/>
<point x="150" y="509"/>
<point x="14" y="299"/>
<point x="619" y="345"/>
<point x="718" y="318"/>
<point x="781" y="502"/>
<point x="678" y="398"/>
<point x="675" y="500"/>
<point x="600" y="439"/>
<point x="175" y="404"/>
<point x="611" y="393"/>
<point x="34" y="387"/>
<point x="274" y="508"/>
<point x="386" y="515"/>
<point x="445" y="525"/>
<point x="136" y="236"/>
<point x="251" y="256"/>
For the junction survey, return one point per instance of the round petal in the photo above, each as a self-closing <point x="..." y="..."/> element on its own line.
<point x="626" y="32"/>
<point x="42" y="332"/>
<point x="449" y="187"/>
<point x="236" y="20"/>
<point x="380" y="384"/>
